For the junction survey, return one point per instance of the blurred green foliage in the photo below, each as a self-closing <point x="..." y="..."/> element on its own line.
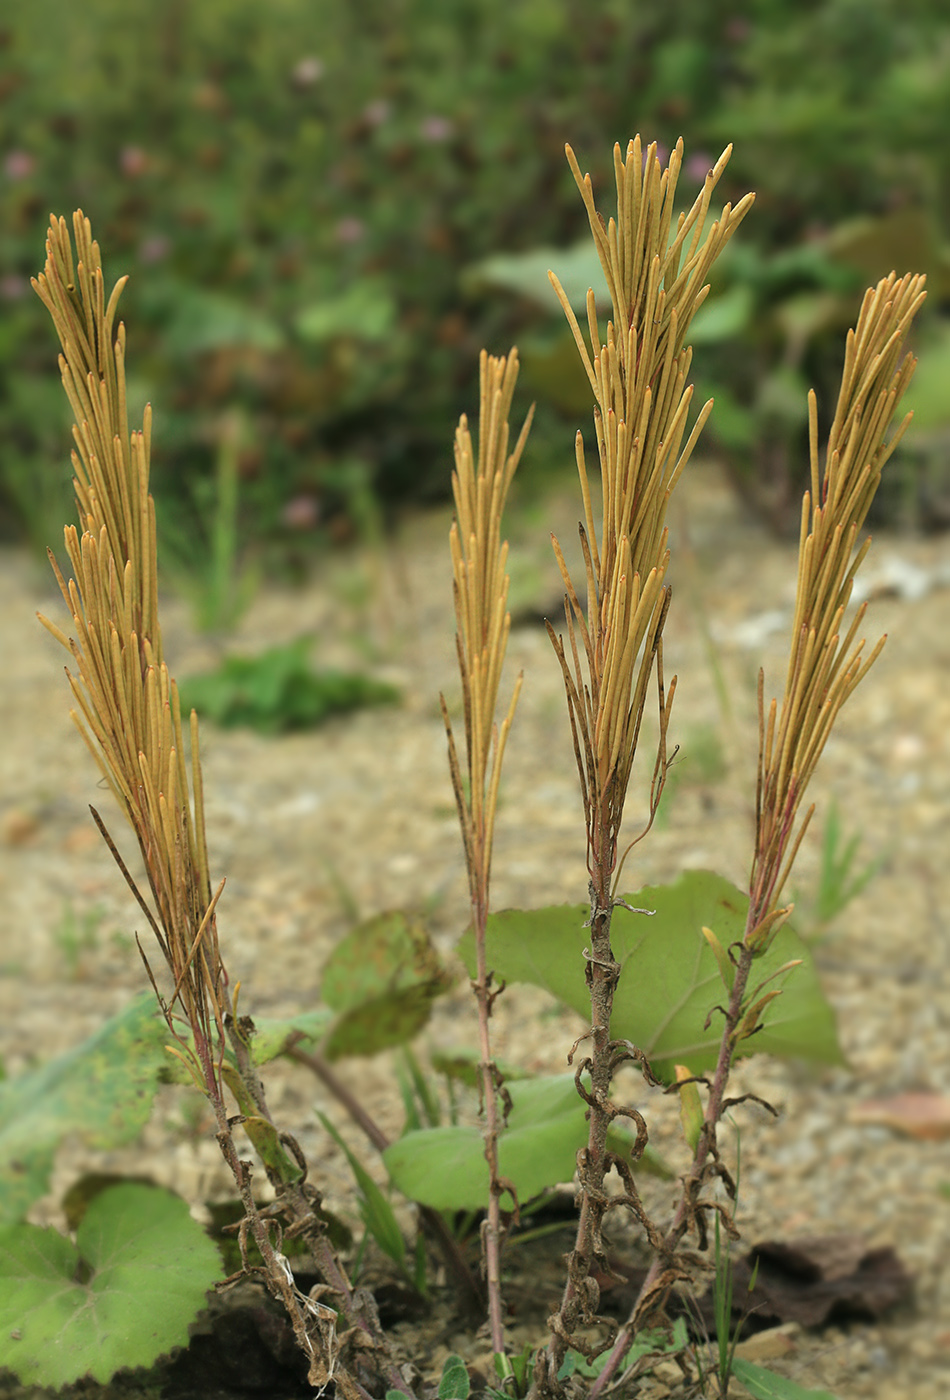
<point x="278" y="691"/>
<point x="299" y="191"/>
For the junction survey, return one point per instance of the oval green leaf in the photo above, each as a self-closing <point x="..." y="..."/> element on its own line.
<point x="670" y="982"/>
<point x="381" y="980"/>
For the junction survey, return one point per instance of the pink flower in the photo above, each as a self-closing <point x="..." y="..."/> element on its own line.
<point x="698" y="166"/>
<point x="18" y="165"/>
<point x="436" y="129"/>
<point x="307" y="71"/>
<point x="377" y="112"/>
<point x="154" y="249"/>
<point x="350" y="230"/>
<point x="12" y="287"/>
<point x="301" y="513"/>
<point x="662" y="155"/>
<point x="133" y="161"/>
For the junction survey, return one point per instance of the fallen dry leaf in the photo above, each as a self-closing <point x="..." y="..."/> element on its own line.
<point x="920" y="1114"/>
<point x="818" y="1279"/>
<point x="805" y="1282"/>
<point x="766" y="1346"/>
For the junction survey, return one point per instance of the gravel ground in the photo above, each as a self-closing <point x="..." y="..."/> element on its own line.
<point x="360" y="813"/>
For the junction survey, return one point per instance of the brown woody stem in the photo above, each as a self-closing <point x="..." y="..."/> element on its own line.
<point x="492" y="1228"/>
<point x="654" y="1290"/>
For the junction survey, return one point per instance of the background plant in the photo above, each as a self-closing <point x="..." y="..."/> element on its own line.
<point x="841" y="877"/>
<point x="307" y="190"/>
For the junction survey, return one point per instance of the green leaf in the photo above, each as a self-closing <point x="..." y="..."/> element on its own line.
<point x="462" y="1063"/>
<point x="454" y="1383"/>
<point x="445" y="1167"/>
<point x="271" y="1033"/>
<point x="672" y="981"/>
<point x="766" y="1385"/>
<point x="552" y="370"/>
<point x="526" y="274"/>
<point x="381" y="980"/>
<point x="734" y="423"/>
<point x="84" y="1190"/>
<point x="205" y="320"/>
<point x="656" y="1342"/>
<point x="926" y="396"/>
<point x="270" y="1037"/>
<point x="268" y="1143"/>
<point x="725" y="316"/>
<point x="366" y="310"/>
<point x="377" y="1213"/>
<point x="102" y="1091"/>
<point x="121" y="1296"/>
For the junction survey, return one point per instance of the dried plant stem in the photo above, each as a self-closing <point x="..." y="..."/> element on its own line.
<point x="664" y="1271"/>
<point x="614" y="651"/>
<point x="489" y="1083"/>
<point x="480" y="486"/>
<point x="299" y="1202"/>
<point x="128" y="712"/>
<point x="823" y="671"/>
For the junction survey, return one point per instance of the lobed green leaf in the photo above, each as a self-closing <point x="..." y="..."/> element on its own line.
<point x="102" y="1091"/>
<point x="121" y="1296"/>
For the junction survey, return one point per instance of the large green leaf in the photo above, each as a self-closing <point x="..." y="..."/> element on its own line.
<point x="121" y="1296"/>
<point x="271" y="1033"/>
<point x="724" y="316"/>
<point x="102" y="1091"/>
<point x="670" y="981"/>
<point x="381" y="980"/>
<point x="445" y="1167"/>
